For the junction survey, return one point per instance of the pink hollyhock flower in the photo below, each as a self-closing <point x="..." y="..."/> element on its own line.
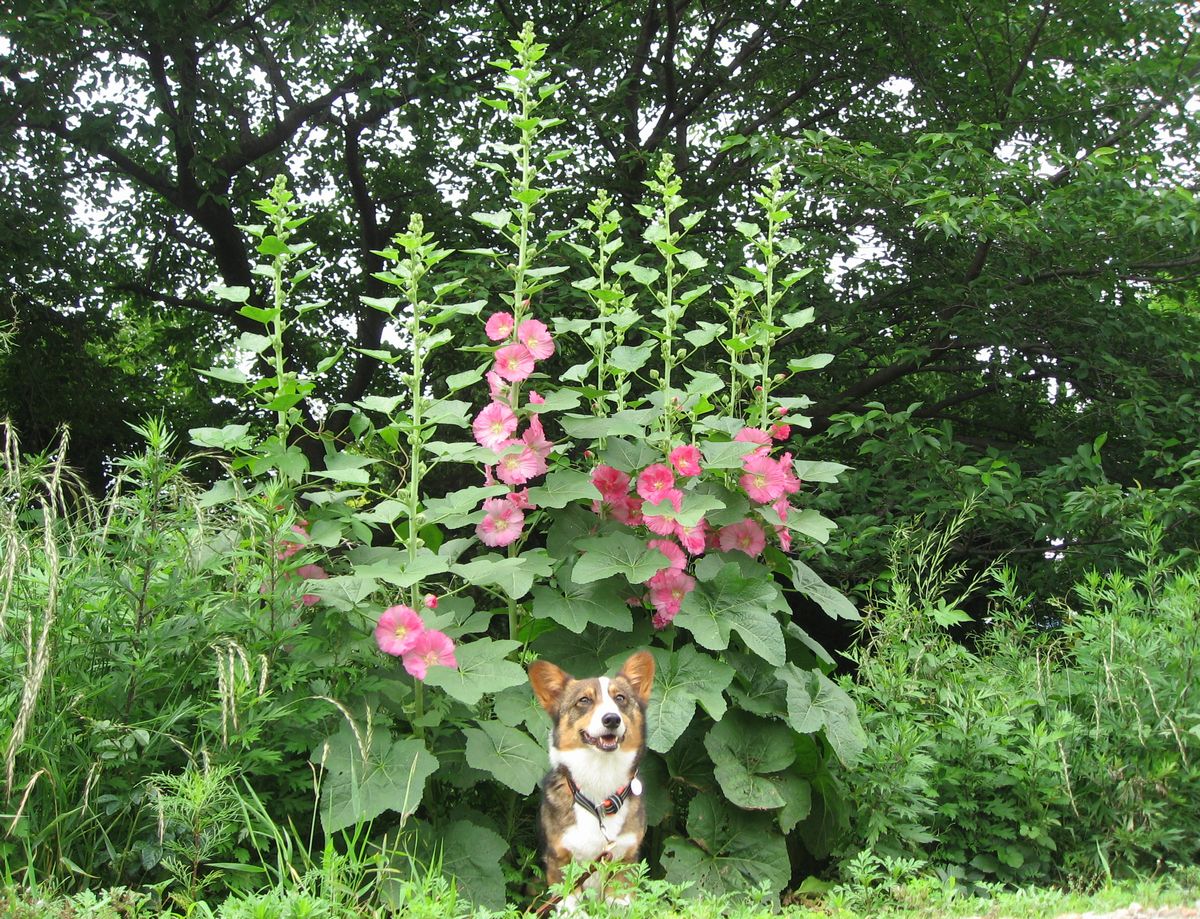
<point x="514" y="363"/>
<point x="755" y="436"/>
<point x="791" y="484"/>
<point x="535" y="438"/>
<point x="783" y="508"/>
<point x="627" y="510"/>
<point x="398" y="629"/>
<point x="667" y="590"/>
<point x="536" y="398"/>
<point x="686" y="460"/>
<point x="664" y="524"/>
<point x="520" y="499"/>
<point x="762" y="479"/>
<point x="692" y="538"/>
<point x="674" y="554"/>
<point x="536" y="337"/>
<point x="497" y="388"/>
<point x="499" y="326"/>
<point x="430" y="601"/>
<point x="431" y="649"/>
<point x="516" y="467"/>
<point x="494" y="425"/>
<point x="654" y="483"/>
<point x="612" y="484"/>
<point x="287" y="548"/>
<point x="781" y="431"/>
<point x="311" y="573"/>
<point x="502" y="523"/>
<point x="746" y="536"/>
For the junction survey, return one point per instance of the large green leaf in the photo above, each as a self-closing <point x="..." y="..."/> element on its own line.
<point x="397" y="569"/>
<point x="832" y="601"/>
<point x="508" y="753"/>
<point x="814" y="702"/>
<point x="629" y="423"/>
<point x="629" y="455"/>
<point x="575" y="605"/>
<point x="392" y="777"/>
<point x="728" y="849"/>
<point x="682" y="679"/>
<point x="744" y="750"/>
<point x="694" y="506"/>
<point x="616" y="554"/>
<point x="482" y="668"/>
<point x="512" y="575"/>
<point x="730" y="601"/>
<point x="517" y="705"/>
<point x="466" y="850"/>
<point x="561" y="487"/>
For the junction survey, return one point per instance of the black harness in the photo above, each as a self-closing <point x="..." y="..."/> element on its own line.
<point x="609" y="805"/>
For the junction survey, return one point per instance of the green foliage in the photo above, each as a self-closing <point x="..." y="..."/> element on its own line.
<point x="1060" y="750"/>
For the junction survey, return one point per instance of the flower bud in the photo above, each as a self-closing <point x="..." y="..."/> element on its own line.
<point x="430" y="601"/>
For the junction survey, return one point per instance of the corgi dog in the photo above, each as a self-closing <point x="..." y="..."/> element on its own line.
<point x="592" y="797"/>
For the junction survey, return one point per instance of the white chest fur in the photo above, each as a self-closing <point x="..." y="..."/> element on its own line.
<point x="598" y="775"/>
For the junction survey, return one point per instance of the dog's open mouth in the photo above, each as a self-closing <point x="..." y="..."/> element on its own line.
<point x="605" y="742"/>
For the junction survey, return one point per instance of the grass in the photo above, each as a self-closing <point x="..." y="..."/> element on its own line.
<point x="433" y="897"/>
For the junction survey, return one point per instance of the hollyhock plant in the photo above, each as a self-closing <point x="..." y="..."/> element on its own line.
<point x="746" y="536"/>
<point x="655" y="483"/>
<point x="499" y="326"/>
<point x="686" y="460"/>
<point x="288" y="548"/>
<point x="514" y="363"/>
<point x="791" y="484"/>
<point x="667" y="590"/>
<point x="663" y="523"/>
<point x="628" y="510"/>
<point x="674" y="554"/>
<point x="430" y="601"/>
<point x="536" y="337"/>
<point x="612" y="484"/>
<point x="311" y="573"/>
<point x="518" y="466"/>
<point x="535" y="438"/>
<point x="431" y="649"/>
<point x="398" y="629"/>
<point x="781" y="431"/>
<point x="502" y="523"/>
<point x="692" y="538"/>
<point x="755" y="436"/>
<point x="494" y="425"/>
<point x="762" y="479"/>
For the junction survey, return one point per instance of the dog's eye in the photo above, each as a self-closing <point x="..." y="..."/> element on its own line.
<point x="583" y="702"/>
<point x="619" y="698"/>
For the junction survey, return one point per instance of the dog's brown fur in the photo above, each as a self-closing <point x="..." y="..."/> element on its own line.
<point x="568" y="830"/>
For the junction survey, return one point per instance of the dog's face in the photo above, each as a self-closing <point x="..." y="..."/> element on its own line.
<point x="602" y="713"/>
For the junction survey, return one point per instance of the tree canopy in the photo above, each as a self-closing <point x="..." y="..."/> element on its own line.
<point x="997" y="200"/>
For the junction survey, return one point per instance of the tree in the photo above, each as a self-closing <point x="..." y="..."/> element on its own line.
<point x="997" y="197"/>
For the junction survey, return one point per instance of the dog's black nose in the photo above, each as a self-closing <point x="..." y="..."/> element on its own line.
<point x="612" y="721"/>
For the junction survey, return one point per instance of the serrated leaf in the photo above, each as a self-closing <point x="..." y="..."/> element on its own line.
<point x="815" y="702"/>
<point x="562" y="486"/>
<point x="683" y="679"/>
<point x="616" y="554"/>
<point x="741" y="766"/>
<point x="230" y="437"/>
<point x="812" y="362"/>
<point x="737" y="850"/>
<point x="833" y="602"/>
<point x="630" y="360"/>
<point x="725" y="454"/>
<point x="355" y="790"/>
<point x="383" y="404"/>
<point x="629" y="455"/>
<point x="732" y="602"/>
<point x="812" y="471"/>
<point x="482" y="668"/>
<point x="629" y="423"/>
<point x="508" y="753"/>
<point x="575" y="606"/>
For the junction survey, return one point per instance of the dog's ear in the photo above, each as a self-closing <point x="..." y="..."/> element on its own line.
<point x="639" y="671"/>
<point x="548" y="683"/>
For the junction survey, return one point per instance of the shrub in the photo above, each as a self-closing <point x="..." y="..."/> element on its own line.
<point x="1042" y="753"/>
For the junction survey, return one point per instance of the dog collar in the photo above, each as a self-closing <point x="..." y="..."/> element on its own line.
<point x="609" y="805"/>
